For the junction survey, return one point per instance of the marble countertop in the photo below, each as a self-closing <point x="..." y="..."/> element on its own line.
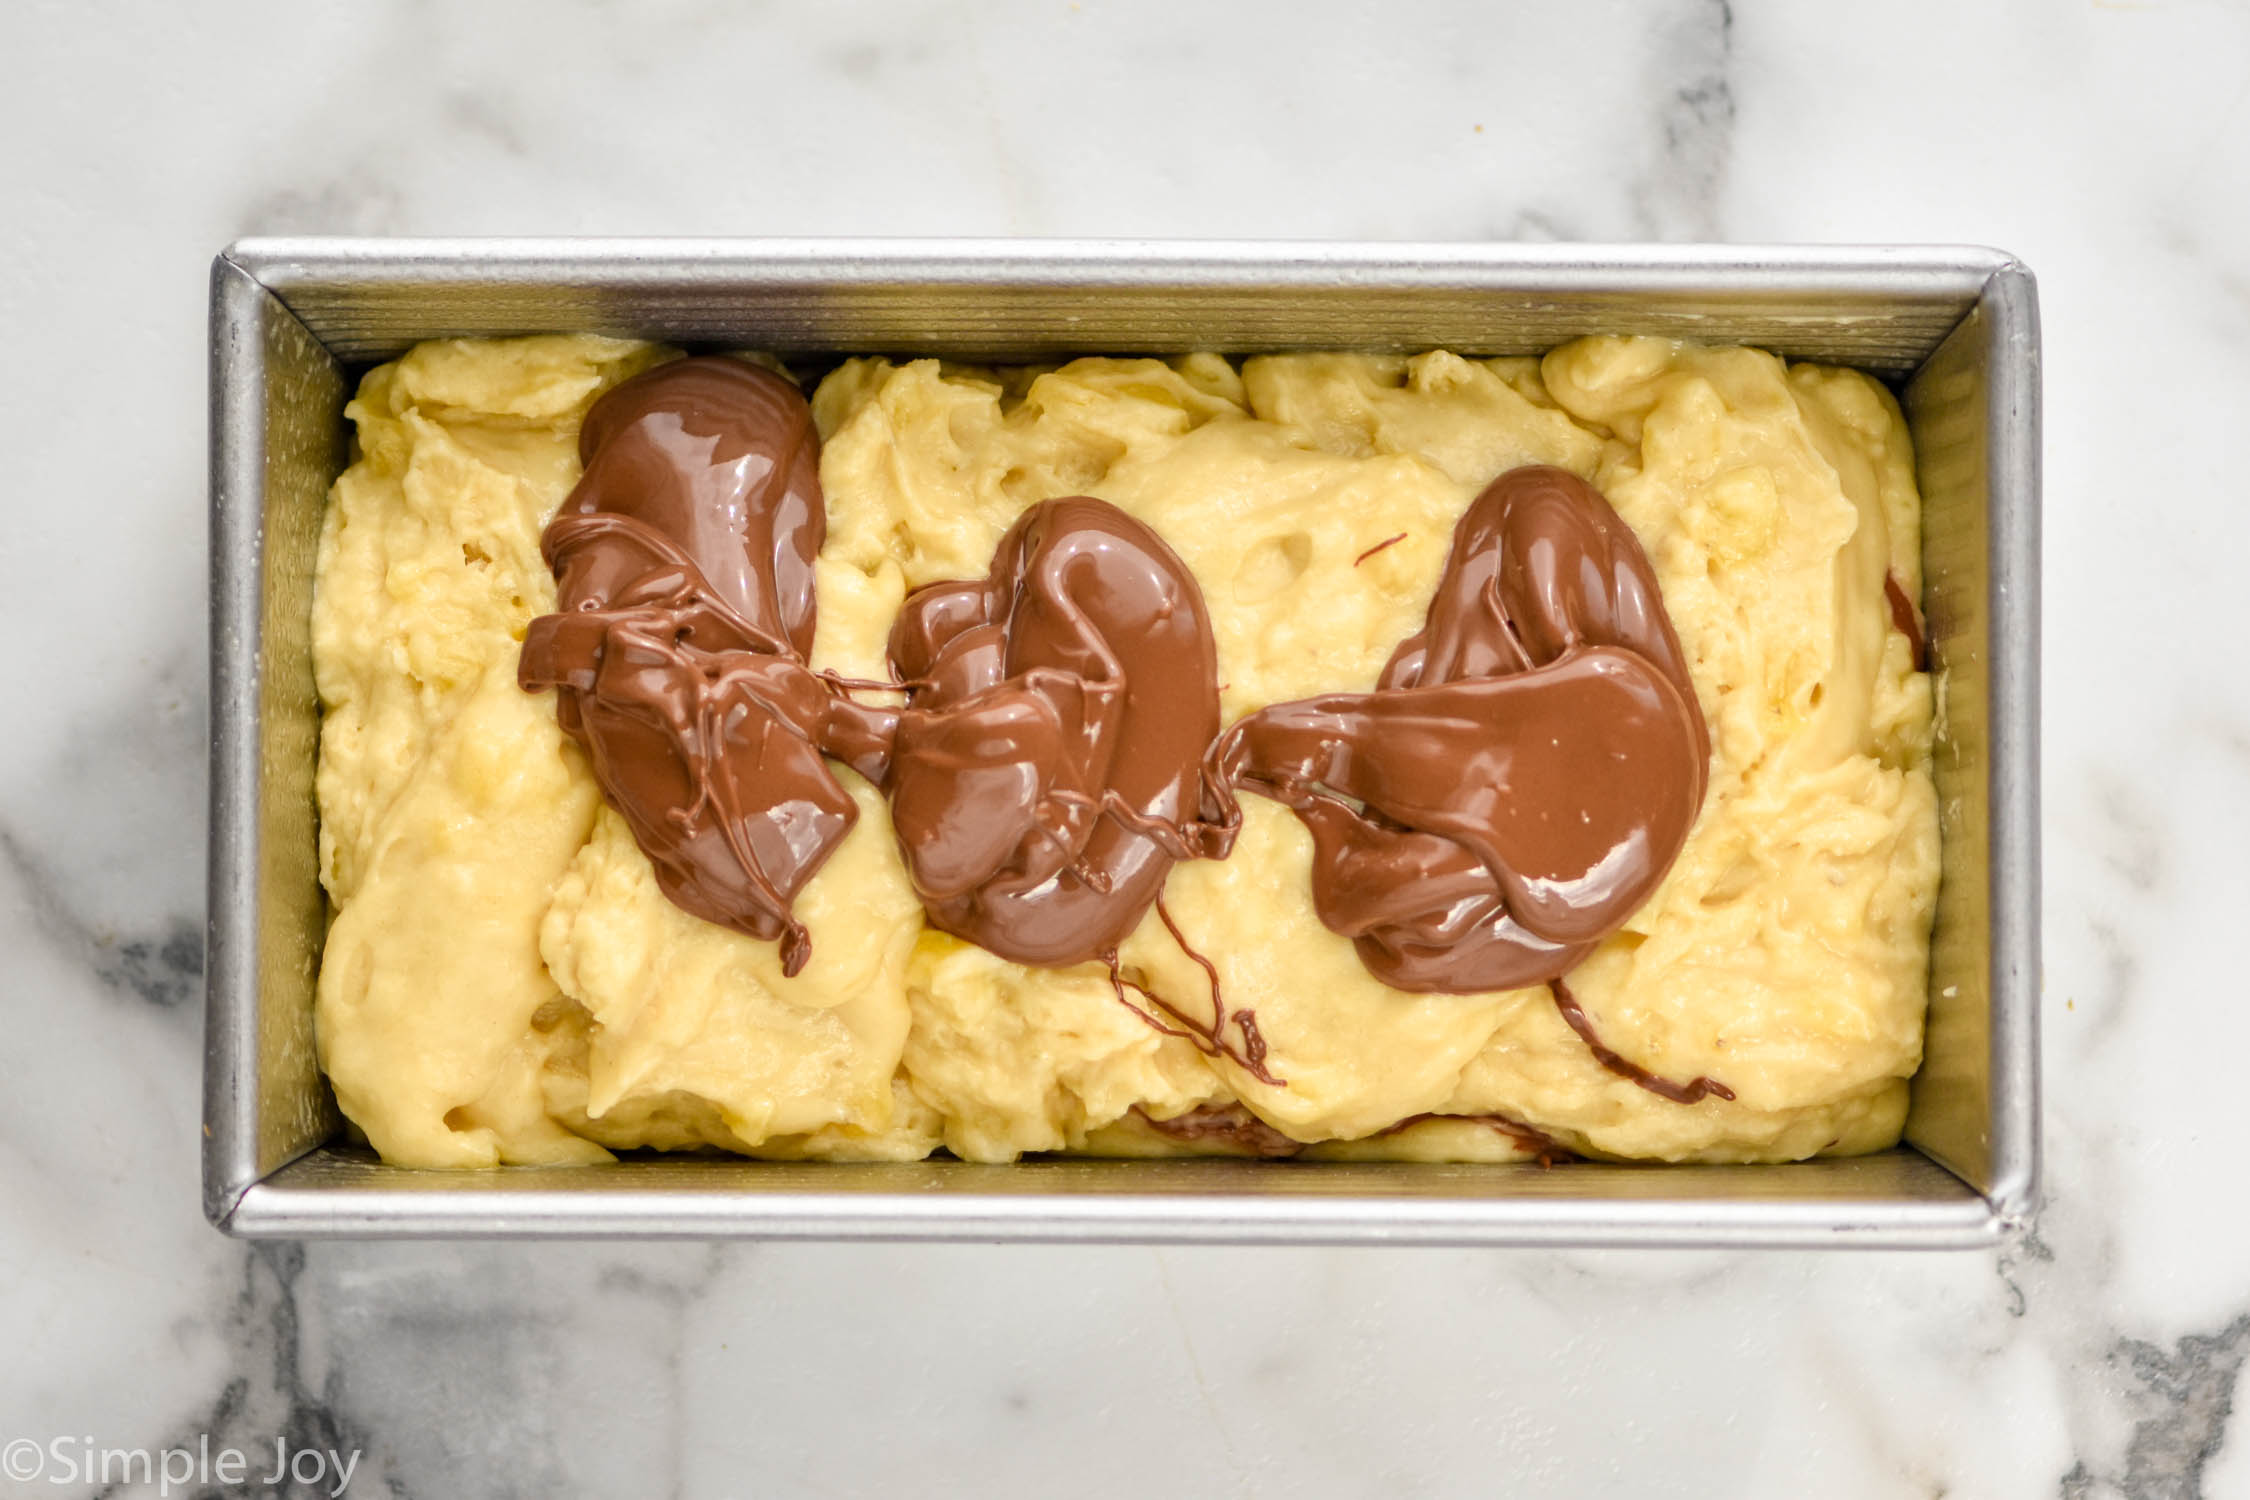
<point x="2107" y="144"/>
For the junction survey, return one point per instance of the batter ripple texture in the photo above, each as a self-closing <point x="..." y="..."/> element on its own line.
<point x="510" y="978"/>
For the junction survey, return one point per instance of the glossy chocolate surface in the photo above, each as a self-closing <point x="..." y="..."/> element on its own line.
<point x="1047" y="769"/>
<point x="1527" y="767"/>
<point x="683" y="566"/>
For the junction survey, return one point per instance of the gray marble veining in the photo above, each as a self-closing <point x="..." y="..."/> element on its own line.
<point x="2100" y="1356"/>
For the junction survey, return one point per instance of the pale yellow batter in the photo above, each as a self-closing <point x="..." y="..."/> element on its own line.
<point x="505" y="982"/>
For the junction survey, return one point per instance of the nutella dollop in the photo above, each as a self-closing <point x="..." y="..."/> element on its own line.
<point x="1527" y="768"/>
<point x="1047" y="769"/>
<point x="683" y="564"/>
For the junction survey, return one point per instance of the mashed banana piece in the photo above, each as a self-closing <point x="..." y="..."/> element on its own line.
<point x="683" y="1009"/>
<point x="1784" y="954"/>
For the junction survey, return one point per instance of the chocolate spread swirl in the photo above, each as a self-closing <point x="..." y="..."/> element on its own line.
<point x="1225" y="1127"/>
<point x="1694" y="1091"/>
<point x="683" y="563"/>
<point x="1540" y="1146"/>
<point x="1047" y="768"/>
<point x="1232" y="1129"/>
<point x="1527" y="767"/>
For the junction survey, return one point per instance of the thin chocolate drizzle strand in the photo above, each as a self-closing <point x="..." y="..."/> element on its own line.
<point x="1691" y="1092"/>
<point x="1389" y="541"/>
<point x="1226" y="1125"/>
<point x="1907" y="622"/>
<point x="683" y="569"/>
<point x="1545" y="1149"/>
<point x="1527" y="768"/>
<point x="1047" y="768"/>
<point x="1235" y="1128"/>
<point x="1209" y="1038"/>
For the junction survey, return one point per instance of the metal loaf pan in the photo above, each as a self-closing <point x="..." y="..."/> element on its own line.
<point x="294" y="321"/>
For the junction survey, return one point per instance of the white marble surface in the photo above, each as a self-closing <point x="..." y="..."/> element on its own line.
<point x="2108" y="144"/>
